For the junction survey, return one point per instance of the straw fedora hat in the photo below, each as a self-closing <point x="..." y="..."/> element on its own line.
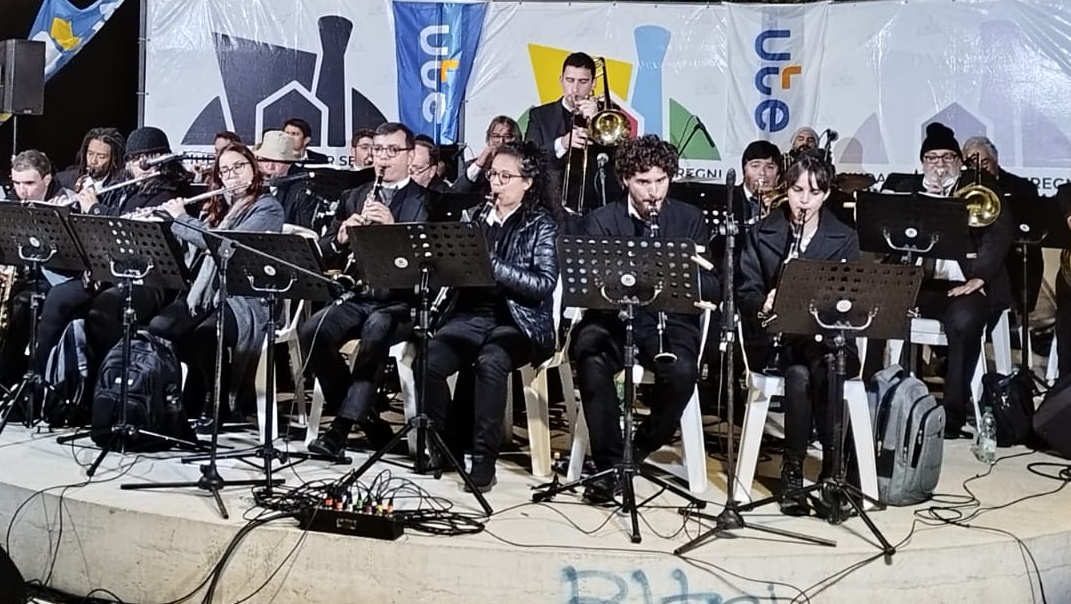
<point x="276" y="146"/>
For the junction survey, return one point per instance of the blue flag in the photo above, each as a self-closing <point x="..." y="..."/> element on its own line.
<point x="65" y="29"/>
<point x="436" y="46"/>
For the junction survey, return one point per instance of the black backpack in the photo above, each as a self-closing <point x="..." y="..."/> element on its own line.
<point x="66" y="373"/>
<point x="154" y="401"/>
<point x="1011" y="398"/>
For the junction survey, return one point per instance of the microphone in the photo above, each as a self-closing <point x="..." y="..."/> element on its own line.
<point x="730" y="178"/>
<point x="601" y="159"/>
<point x="831" y="135"/>
<point x="706" y="133"/>
<point x="145" y="164"/>
<point x="280" y="181"/>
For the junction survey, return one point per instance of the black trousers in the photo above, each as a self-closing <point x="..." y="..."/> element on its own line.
<point x="598" y="354"/>
<point x="1063" y="324"/>
<point x="104" y="319"/>
<point x="193" y="336"/>
<point x="13" y="361"/>
<point x="492" y="350"/>
<point x="965" y="319"/>
<point x="63" y="303"/>
<point x="378" y="326"/>
<point x="1035" y="272"/>
<point x="806" y="365"/>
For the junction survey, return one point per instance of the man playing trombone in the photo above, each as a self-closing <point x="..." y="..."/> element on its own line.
<point x="967" y="296"/>
<point x="561" y="129"/>
<point x="667" y="343"/>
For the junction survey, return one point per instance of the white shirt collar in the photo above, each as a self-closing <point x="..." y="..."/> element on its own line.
<point x="397" y="185"/>
<point x="493" y="219"/>
<point x="633" y="212"/>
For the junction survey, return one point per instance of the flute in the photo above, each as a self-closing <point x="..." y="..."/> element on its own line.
<point x="141" y="213"/>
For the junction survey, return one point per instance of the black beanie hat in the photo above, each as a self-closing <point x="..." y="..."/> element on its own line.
<point x="144" y="141"/>
<point x="938" y="136"/>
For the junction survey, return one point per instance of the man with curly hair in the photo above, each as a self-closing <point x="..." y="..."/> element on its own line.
<point x="645" y="167"/>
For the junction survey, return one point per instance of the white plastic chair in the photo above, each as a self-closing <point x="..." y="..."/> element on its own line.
<point x="931" y="332"/>
<point x="287" y="334"/>
<point x="1052" y="368"/>
<point x="761" y="388"/>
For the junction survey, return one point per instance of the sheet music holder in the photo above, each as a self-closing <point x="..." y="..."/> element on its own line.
<point x="128" y="252"/>
<point x="449" y="206"/>
<point x="431" y="255"/>
<point x="913" y="224"/>
<point x="626" y="274"/>
<point x="35" y="237"/>
<point x="840" y="300"/>
<point x="330" y="181"/>
<point x="709" y="197"/>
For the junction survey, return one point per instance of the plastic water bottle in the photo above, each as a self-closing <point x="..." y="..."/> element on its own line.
<point x="985" y="444"/>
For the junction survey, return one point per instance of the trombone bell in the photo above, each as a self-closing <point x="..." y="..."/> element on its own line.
<point x="983" y="205"/>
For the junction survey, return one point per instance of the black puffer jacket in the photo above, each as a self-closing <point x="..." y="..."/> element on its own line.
<point x="526" y="269"/>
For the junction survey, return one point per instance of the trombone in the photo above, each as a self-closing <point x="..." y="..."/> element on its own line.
<point x="609" y="127"/>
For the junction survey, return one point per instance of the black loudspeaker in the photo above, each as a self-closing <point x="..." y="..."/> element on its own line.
<point x="1052" y="420"/>
<point x="12" y="587"/>
<point x="22" y="77"/>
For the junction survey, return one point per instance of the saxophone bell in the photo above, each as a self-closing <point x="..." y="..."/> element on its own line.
<point x="663" y="356"/>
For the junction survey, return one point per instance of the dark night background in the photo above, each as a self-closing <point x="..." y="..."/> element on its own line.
<point x="98" y="87"/>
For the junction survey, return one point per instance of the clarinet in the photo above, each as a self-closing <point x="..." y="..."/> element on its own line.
<point x="663" y="355"/>
<point x="773" y="364"/>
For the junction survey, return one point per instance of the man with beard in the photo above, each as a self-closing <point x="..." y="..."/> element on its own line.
<point x="98" y="163"/>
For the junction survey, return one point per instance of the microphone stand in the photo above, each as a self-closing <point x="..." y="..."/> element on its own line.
<point x="730" y="518"/>
<point x="688" y="139"/>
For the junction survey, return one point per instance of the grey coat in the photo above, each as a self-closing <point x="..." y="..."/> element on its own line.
<point x="250" y="314"/>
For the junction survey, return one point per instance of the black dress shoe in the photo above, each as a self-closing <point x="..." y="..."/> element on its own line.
<point x="378" y="431"/>
<point x="482" y="475"/>
<point x="327" y="446"/>
<point x="603" y="490"/>
<point x="793" y="503"/>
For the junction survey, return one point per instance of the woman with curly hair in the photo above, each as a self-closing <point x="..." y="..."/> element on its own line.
<point x="492" y="331"/>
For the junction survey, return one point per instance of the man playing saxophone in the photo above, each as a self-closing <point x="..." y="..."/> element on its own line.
<point x="378" y="319"/>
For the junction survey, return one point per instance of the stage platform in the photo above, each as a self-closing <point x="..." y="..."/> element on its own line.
<point x="157" y="546"/>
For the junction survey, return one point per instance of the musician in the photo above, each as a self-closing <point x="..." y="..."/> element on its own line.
<point x="966" y="296"/>
<point x="104" y="322"/>
<point x="275" y="155"/>
<point x="1063" y="292"/>
<point x="761" y="163"/>
<point x="560" y="125"/>
<point x="473" y="179"/>
<point x="32" y="180"/>
<point x="361" y="148"/>
<point x="496" y="330"/>
<point x="225" y="138"/>
<point x="646" y="165"/>
<point x="378" y="319"/>
<point x="99" y="161"/>
<point x="801" y="228"/>
<point x="424" y="165"/>
<point x="1021" y="191"/>
<point x="189" y="323"/>
<point x="804" y="138"/>
<point x="301" y="132"/>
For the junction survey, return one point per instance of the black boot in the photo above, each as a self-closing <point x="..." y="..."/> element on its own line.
<point x="793" y="503"/>
<point x="333" y="442"/>
<point x="483" y="473"/>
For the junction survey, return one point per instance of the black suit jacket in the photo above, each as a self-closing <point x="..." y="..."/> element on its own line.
<point x="409" y="204"/>
<point x="991" y="243"/>
<point x="314" y="157"/>
<point x="463" y="184"/>
<point x="550" y="121"/>
<point x="299" y="208"/>
<point x="678" y="220"/>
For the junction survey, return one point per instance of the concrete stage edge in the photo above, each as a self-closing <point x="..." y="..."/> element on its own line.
<point x="156" y="546"/>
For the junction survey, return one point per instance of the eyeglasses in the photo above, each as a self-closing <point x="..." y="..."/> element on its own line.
<point x="933" y="158"/>
<point x="501" y="177"/>
<point x="366" y="147"/>
<point x="225" y="171"/>
<point x="391" y="151"/>
<point x="414" y="170"/>
<point x="501" y="138"/>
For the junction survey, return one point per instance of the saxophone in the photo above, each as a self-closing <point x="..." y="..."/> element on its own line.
<point x="8" y="274"/>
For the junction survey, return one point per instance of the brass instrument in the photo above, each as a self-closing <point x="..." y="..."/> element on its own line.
<point x="983" y="204"/>
<point x="770" y="198"/>
<point x="663" y="355"/>
<point x="609" y="127"/>
<point x="1065" y="265"/>
<point x="773" y="361"/>
<point x="8" y="274"/>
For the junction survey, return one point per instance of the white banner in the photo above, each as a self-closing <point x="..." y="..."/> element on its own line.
<point x="876" y="72"/>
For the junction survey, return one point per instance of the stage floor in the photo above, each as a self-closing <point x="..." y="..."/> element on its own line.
<point x="158" y="546"/>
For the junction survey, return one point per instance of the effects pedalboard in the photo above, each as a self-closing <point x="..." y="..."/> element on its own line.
<point x="373" y="520"/>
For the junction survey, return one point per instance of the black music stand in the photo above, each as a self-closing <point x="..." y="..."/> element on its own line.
<point x="433" y="255"/>
<point x="711" y="198"/>
<point x="835" y="300"/>
<point x="914" y="225"/>
<point x="450" y="206"/>
<point x="1038" y="222"/>
<point x="329" y="185"/>
<point x="36" y="237"/>
<point x="290" y="271"/>
<point x="128" y="252"/>
<point x="621" y="274"/>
